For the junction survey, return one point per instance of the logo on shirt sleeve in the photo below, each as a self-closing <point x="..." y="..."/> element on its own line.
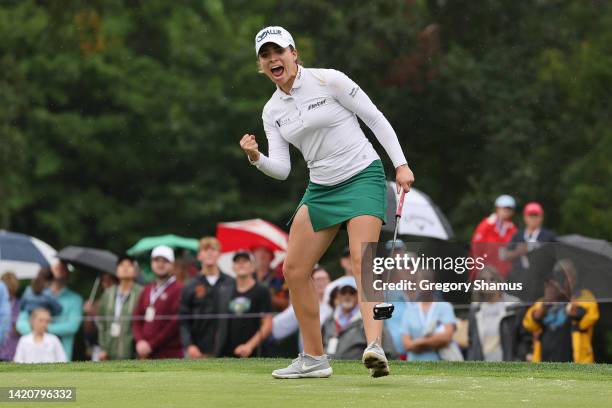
<point x="354" y="91"/>
<point x="283" y="122"/>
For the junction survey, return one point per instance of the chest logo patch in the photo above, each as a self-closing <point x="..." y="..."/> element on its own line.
<point x="317" y="104"/>
<point x="200" y="291"/>
<point x="240" y="305"/>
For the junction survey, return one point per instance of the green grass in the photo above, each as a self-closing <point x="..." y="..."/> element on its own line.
<point x="247" y="383"/>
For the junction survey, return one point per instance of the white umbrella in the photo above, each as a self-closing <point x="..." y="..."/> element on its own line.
<point x="420" y="216"/>
<point x="24" y="255"/>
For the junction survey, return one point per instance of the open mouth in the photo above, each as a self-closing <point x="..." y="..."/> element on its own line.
<point x="277" y="70"/>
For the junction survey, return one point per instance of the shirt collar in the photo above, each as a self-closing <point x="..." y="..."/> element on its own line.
<point x="297" y="82"/>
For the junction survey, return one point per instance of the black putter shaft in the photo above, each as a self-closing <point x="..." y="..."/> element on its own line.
<point x="383" y="311"/>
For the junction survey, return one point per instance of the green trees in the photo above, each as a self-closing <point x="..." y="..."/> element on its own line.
<point x="120" y="119"/>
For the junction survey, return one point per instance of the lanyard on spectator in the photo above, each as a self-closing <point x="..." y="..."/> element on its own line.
<point x="425" y="319"/>
<point x="119" y="301"/>
<point x="157" y="292"/>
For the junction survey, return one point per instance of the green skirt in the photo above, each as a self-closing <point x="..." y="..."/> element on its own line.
<point x="365" y="193"/>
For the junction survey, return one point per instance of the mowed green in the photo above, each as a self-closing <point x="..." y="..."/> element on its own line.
<point x="247" y="383"/>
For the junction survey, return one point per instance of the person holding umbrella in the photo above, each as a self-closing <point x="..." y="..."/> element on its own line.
<point x="316" y="110"/>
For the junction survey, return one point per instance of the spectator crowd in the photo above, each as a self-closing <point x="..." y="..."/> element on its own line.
<point x="249" y="313"/>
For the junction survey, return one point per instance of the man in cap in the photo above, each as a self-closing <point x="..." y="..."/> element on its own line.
<point x="251" y="306"/>
<point x="493" y="233"/>
<point x="156" y="326"/>
<point x="208" y="294"/>
<point x="528" y="238"/>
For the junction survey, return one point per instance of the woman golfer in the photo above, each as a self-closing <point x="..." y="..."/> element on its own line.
<point x="316" y="111"/>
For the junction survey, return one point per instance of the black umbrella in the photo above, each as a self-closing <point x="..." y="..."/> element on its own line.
<point x="90" y="259"/>
<point x="592" y="259"/>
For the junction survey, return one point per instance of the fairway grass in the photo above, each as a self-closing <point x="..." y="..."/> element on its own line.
<point x="248" y="383"/>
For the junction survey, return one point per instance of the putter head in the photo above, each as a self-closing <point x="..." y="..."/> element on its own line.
<point x="383" y="311"/>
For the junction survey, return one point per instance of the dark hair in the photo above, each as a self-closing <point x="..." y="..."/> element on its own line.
<point x="125" y="257"/>
<point x="332" y="297"/>
<point x="41" y="280"/>
<point x="12" y="283"/>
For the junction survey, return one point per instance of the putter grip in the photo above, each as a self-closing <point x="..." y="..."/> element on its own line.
<point x="400" y="206"/>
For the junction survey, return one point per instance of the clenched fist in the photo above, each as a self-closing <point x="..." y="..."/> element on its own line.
<point x="249" y="145"/>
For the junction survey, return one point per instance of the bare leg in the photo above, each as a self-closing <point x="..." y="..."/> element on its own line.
<point x="364" y="228"/>
<point x="305" y="248"/>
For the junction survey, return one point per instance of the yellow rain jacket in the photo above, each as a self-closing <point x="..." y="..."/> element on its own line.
<point x="582" y="329"/>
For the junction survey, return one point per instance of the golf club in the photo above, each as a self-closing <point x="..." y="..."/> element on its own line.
<point x="383" y="311"/>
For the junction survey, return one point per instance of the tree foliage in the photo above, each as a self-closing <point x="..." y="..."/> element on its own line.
<point x="120" y="119"/>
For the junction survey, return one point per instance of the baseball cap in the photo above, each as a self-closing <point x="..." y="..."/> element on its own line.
<point x="348" y="284"/>
<point x="274" y="34"/>
<point x="505" y="200"/>
<point x="164" y="252"/>
<point x="533" y="208"/>
<point x="346" y="281"/>
<point x="241" y="254"/>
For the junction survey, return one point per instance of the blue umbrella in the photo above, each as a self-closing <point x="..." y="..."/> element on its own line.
<point x="23" y="254"/>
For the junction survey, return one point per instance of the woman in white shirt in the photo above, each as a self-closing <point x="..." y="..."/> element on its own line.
<point x="316" y="110"/>
<point x="40" y="346"/>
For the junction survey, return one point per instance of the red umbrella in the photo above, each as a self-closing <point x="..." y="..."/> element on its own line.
<point x="247" y="234"/>
<point x="250" y="233"/>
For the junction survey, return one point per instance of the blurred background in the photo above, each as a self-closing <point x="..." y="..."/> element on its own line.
<point x="121" y="119"/>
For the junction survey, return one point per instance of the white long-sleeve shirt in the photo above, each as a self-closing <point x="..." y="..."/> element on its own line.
<point x="49" y="350"/>
<point x="319" y="117"/>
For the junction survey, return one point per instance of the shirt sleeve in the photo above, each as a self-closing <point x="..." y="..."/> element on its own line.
<point x="138" y="314"/>
<point x="354" y="99"/>
<point x="58" y="350"/>
<point x="23" y="323"/>
<point x="447" y="314"/>
<point x="185" y="311"/>
<point x="70" y="319"/>
<point x="20" y="352"/>
<point x="405" y="326"/>
<point x="265" y="301"/>
<point x="5" y="312"/>
<point x="284" y="324"/>
<point x="278" y="162"/>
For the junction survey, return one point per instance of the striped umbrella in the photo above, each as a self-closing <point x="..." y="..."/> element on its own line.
<point x="24" y="255"/>
<point x="420" y="216"/>
<point x="244" y="235"/>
